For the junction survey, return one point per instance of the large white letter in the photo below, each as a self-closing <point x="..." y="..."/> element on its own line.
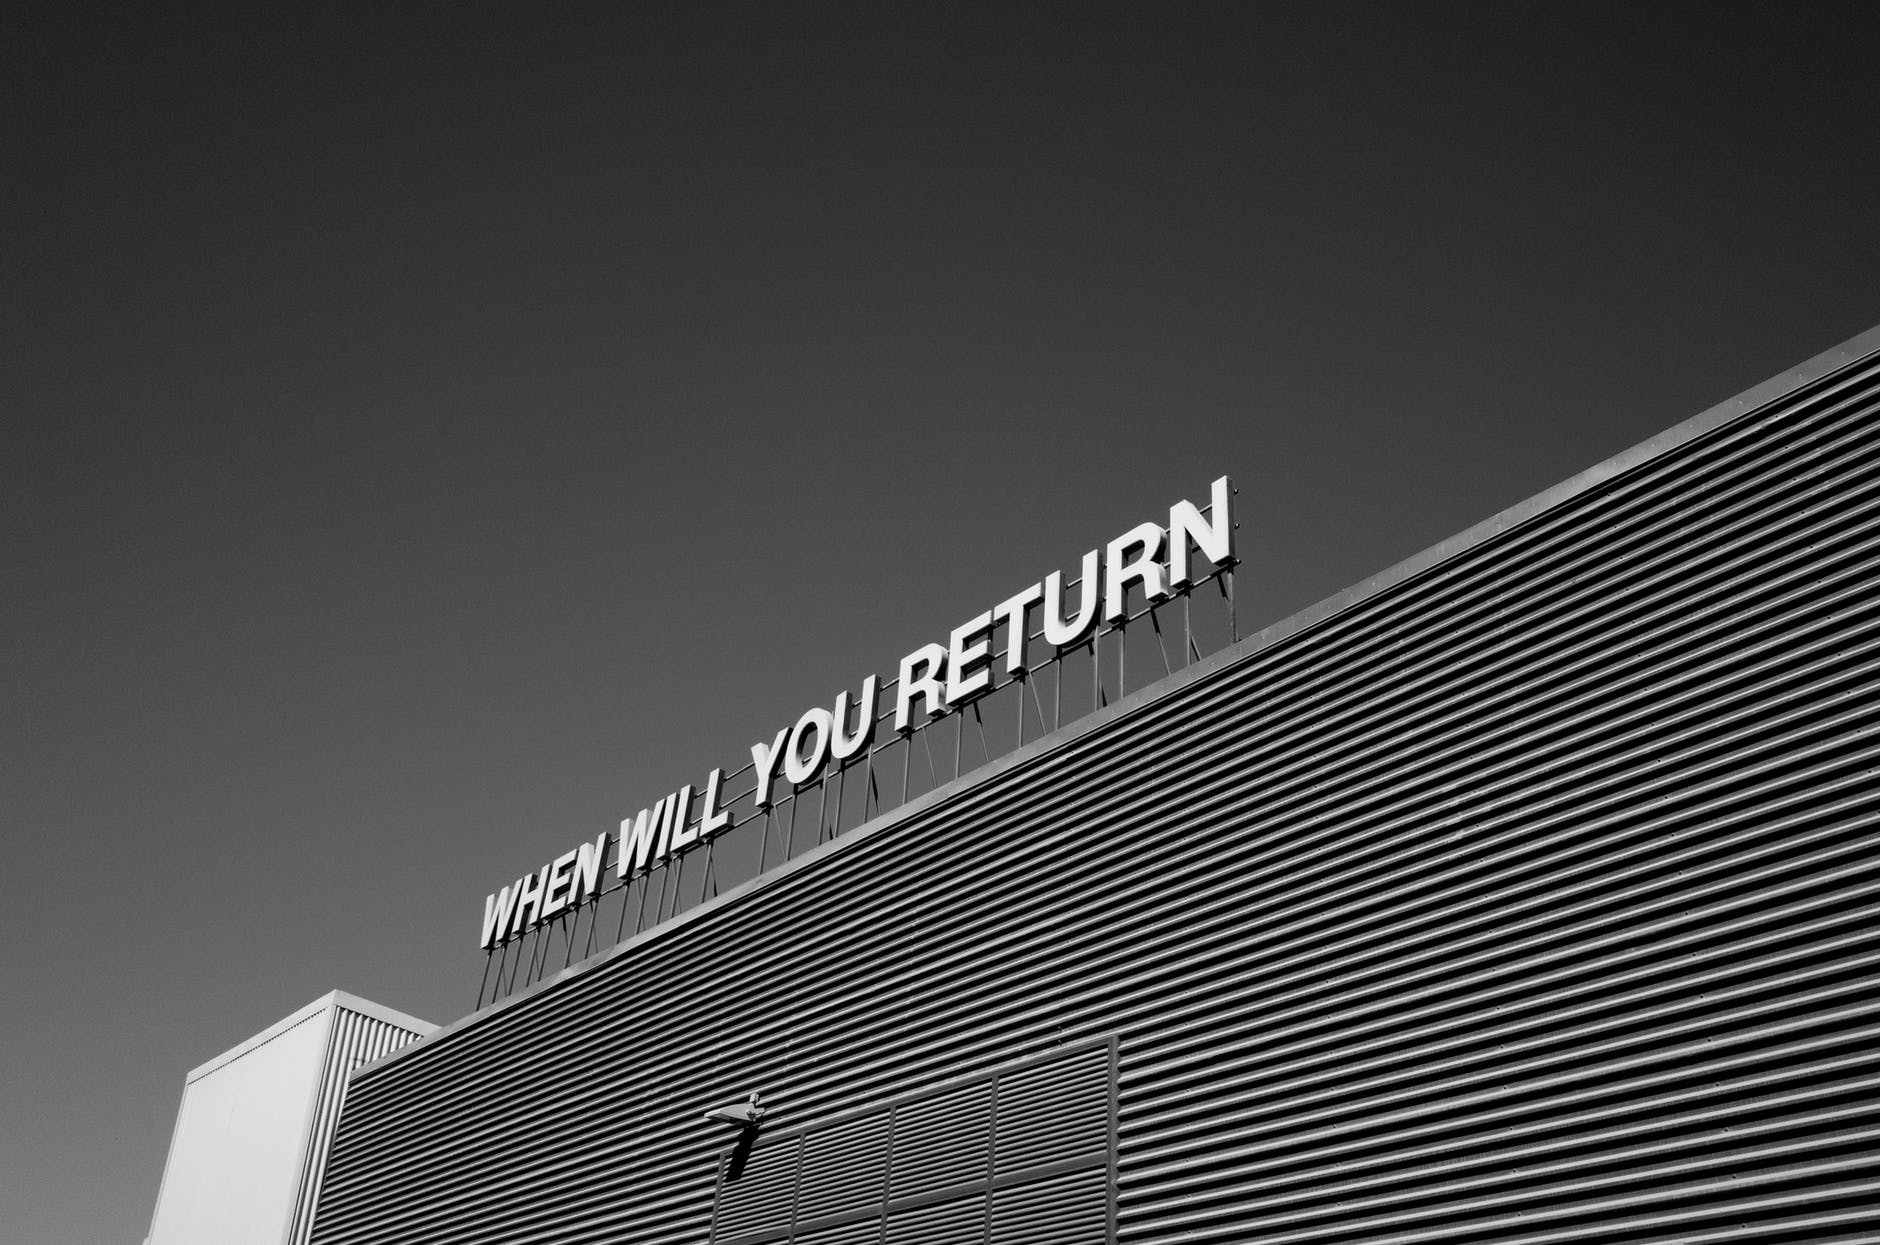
<point x="711" y="818"/>
<point x="798" y="767"/>
<point x="558" y="883"/>
<point x="1058" y="630"/>
<point x="968" y="655"/>
<point x="930" y="661"/>
<point x="528" y="899"/>
<point x="765" y="761"/>
<point x="1010" y="613"/>
<point x="496" y="912"/>
<point x="680" y="837"/>
<point x="1120" y="569"/>
<point x="845" y="745"/>
<point x="587" y="868"/>
<point x="1186" y="532"/>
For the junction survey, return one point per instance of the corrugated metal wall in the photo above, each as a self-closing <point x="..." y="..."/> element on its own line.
<point x="353" y="1041"/>
<point x="1027" y="1151"/>
<point x="1528" y="899"/>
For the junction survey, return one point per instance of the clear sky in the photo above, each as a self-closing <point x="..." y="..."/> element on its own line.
<point x="430" y="436"/>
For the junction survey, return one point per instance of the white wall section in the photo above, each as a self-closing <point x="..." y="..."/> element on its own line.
<point x="252" y="1130"/>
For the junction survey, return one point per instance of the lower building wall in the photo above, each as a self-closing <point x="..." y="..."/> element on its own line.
<point x="1526" y="898"/>
<point x="235" y="1160"/>
<point x="252" y="1133"/>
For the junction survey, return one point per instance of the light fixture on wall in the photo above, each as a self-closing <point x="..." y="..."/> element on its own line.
<point x="746" y="1114"/>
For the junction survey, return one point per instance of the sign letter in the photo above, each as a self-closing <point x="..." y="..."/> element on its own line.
<point x="711" y="819"/>
<point x="1011" y="614"/>
<point x="920" y="676"/>
<point x="529" y="900"/>
<point x="587" y="868"/>
<point x="496" y="912"/>
<point x="967" y="658"/>
<point x="1120" y="570"/>
<point x="558" y="888"/>
<point x="681" y="838"/>
<point x="1057" y="629"/>
<point x="765" y="761"/>
<point x="801" y="763"/>
<point x="845" y="745"/>
<point x="1186" y="533"/>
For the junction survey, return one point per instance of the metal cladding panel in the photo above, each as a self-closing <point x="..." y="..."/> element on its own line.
<point x="890" y="1166"/>
<point x="1052" y="1112"/>
<point x="868" y="1233"/>
<point x="959" y="1221"/>
<point x="843" y="1168"/>
<point x="763" y="1198"/>
<point x="1071" y="1209"/>
<point x="1527" y="898"/>
<point x="356" y="1040"/>
<point x="939" y="1140"/>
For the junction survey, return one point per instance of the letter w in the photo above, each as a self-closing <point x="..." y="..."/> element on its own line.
<point x="496" y="910"/>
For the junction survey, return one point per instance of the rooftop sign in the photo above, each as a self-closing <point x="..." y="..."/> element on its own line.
<point x="1148" y="564"/>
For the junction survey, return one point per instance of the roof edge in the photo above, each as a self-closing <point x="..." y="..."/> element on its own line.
<point x="387" y="1015"/>
<point x="297" y="1016"/>
<point x="1849" y="353"/>
<point x="326" y="1002"/>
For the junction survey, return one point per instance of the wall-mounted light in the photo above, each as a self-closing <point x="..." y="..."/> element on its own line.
<point x="747" y="1114"/>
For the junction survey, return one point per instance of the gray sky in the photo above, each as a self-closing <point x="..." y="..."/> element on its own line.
<point x="431" y="436"/>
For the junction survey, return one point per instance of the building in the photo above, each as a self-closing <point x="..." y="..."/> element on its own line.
<point x="1524" y="892"/>
<point x="252" y="1133"/>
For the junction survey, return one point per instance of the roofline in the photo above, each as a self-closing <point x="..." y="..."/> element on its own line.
<point x="378" y="1011"/>
<point x="327" y="1001"/>
<point x="1850" y="352"/>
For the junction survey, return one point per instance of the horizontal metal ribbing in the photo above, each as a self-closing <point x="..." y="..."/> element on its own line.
<point x="1527" y="900"/>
